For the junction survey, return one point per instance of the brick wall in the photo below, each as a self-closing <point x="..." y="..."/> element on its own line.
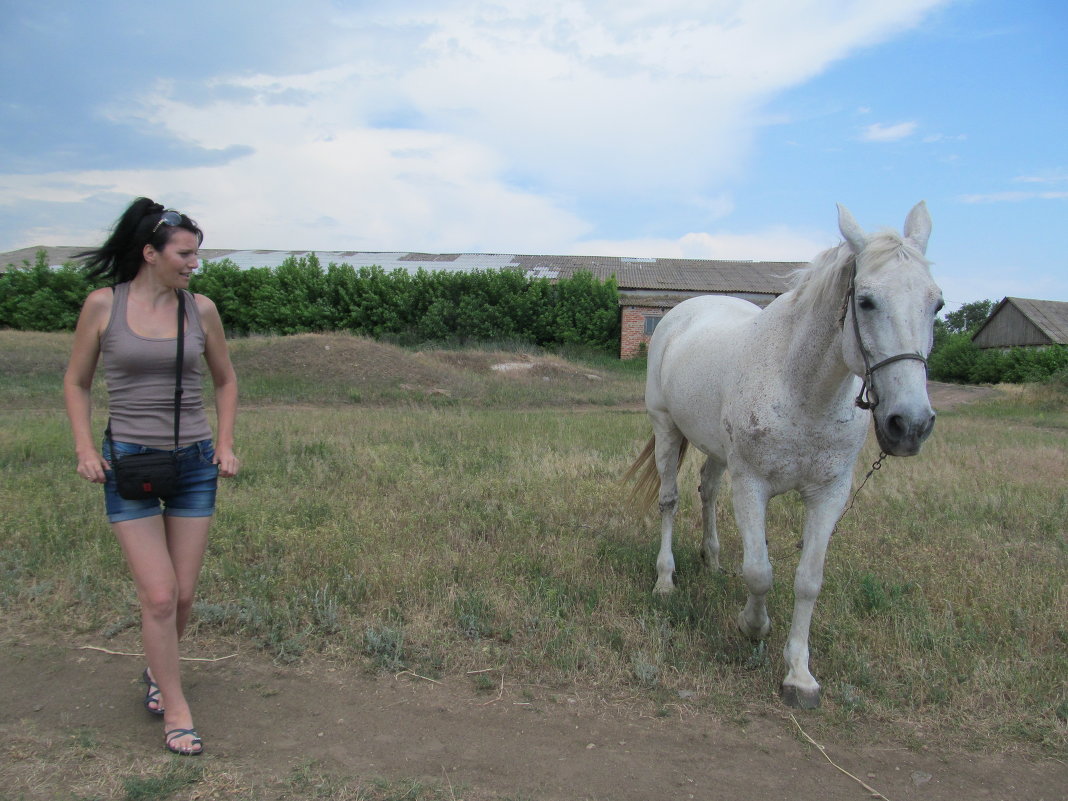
<point x="633" y="339"/>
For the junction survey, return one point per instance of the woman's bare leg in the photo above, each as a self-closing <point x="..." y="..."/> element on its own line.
<point x="165" y="555"/>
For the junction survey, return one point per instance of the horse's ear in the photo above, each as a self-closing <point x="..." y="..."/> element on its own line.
<point x="918" y="226"/>
<point x="851" y="230"/>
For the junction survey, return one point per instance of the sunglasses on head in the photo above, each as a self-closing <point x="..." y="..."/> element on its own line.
<point x="169" y="217"/>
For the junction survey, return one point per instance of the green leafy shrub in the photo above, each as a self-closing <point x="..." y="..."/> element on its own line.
<point x="440" y="307"/>
<point x="299" y="296"/>
<point x="38" y="298"/>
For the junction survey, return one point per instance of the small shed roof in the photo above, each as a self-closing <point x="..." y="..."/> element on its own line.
<point x="1049" y="316"/>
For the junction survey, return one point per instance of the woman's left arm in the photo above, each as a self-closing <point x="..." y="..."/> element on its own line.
<point x="217" y="355"/>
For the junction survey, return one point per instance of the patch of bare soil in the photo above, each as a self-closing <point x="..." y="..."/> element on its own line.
<point x="948" y="396"/>
<point x="516" y="365"/>
<point x="263" y="723"/>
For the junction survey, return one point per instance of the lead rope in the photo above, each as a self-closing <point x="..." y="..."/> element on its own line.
<point x="875" y="467"/>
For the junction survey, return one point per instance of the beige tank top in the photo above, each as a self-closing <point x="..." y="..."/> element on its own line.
<point x="139" y="372"/>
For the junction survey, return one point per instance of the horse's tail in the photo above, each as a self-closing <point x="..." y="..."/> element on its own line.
<point x="647" y="483"/>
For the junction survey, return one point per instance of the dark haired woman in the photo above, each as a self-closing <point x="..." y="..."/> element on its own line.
<point x="133" y="324"/>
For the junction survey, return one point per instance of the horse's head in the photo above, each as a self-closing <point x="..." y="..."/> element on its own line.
<point x="889" y="328"/>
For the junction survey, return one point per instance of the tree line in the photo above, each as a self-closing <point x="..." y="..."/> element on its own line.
<point x="301" y="296"/>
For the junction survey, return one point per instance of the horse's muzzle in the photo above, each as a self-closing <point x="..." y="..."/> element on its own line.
<point x="901" y="434"/>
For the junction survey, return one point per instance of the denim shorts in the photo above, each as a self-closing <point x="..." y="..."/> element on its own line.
<point x="197" y="480"/>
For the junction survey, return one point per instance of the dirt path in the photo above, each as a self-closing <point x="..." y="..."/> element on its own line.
<point x="947" y="396"/>
<point x="264" y="725"/>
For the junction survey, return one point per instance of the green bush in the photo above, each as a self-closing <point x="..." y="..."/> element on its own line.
<point x="299" y="296"/>
<point x="958" y="360"/>
<point x="441" y="307"/>
<point x="38" y="298"/>
<point x="1024" y="365"/>
<point x="954" y="359"/>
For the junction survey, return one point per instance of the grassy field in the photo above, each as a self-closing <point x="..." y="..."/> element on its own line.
<point x="424" y="511"/>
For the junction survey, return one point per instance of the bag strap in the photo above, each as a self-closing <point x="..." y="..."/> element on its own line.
<point x="180" y="352"/>
<point x="178" y="364"/>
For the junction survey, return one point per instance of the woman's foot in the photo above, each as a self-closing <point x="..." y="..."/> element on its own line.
<point x="152" y="696"/>
<point x="184" y="742"/>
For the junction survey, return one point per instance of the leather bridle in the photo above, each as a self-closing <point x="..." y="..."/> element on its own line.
<point x="868" y="398"/>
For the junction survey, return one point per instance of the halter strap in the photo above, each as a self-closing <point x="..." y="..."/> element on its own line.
<point x="868" y="397"/>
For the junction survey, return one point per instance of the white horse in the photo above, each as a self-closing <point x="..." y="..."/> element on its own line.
<point x="780" y="399"/>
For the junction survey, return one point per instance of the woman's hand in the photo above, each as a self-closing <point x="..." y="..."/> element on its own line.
<point x="227" y="461"/>
<point x="92" y="466"/>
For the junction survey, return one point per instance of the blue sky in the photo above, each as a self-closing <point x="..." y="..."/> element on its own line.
<point x="672" y="128"/>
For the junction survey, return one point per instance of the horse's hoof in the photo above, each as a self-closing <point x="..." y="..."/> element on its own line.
<point x="800" y="699"/>
<point x="750" y="632"/>
<point x="711" y="565"/>
<point x="663" y="588"/>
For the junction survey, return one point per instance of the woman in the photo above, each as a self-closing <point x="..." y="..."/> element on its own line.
<point x="150" y="256"/>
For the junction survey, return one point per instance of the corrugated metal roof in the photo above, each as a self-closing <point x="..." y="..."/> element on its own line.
<point x="696" y="275"/>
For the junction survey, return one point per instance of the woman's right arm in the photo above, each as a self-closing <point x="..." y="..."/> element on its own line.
<point x="78" y="382"/>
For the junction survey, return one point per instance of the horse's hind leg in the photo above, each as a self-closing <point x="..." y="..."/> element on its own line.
<point x="669" y="444"/>
<point x="711" y="475"/>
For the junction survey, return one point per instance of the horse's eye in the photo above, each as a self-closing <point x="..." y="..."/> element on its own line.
<point x="866" y="303"/>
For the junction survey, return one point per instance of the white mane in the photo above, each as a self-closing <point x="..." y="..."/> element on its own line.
<point x="823" y="282"/>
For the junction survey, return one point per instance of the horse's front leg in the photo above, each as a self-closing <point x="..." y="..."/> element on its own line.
<point x="822" y="510"/>
<point x="668" y="445"/>
<point x="750" y="497"/>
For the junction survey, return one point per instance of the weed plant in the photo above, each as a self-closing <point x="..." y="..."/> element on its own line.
<point x="492" y="533"/>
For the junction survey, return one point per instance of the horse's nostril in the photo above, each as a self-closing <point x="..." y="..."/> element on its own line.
<point x="896" y="426"/>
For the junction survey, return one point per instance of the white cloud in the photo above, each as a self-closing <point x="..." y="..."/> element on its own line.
<point x="772" y="244"/>
<point x="1055" y="176"/>
<point x="888" y="133"/>
<point x="936" y="138"/>
<point x="491" y="126"/>
<point x="1012" y="197"/>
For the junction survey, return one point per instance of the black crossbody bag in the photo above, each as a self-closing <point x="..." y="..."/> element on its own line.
<point x="153" y="475"/>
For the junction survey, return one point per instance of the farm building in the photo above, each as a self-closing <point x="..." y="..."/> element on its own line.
<point x="648" y="287"/>
<point x="1022" y="322"/>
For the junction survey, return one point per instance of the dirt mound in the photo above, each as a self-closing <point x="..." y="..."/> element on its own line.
<point x="336" y="364"/>
<point x="331" y="357"/>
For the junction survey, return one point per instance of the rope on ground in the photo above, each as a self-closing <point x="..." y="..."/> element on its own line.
<point x="874" y="793"/>
<point x="416" y="675"/>
<point x="141" y="656"/>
